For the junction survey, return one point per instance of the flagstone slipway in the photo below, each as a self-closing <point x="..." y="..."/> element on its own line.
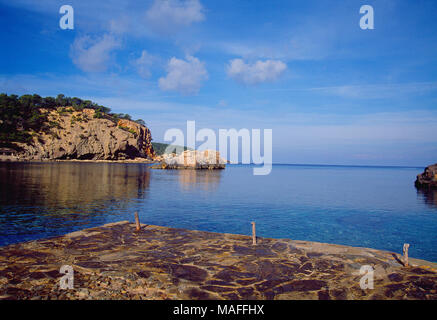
<point x="115" y="261"/>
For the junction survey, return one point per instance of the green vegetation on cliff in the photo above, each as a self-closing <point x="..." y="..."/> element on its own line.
<point x="160" y="148"/>
<point x="20" y="116"/>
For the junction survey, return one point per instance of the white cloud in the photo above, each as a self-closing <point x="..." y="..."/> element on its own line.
<point x="93" y="55"/>
<point x="184" y="76"/>
<point x="167" y="16"/>
<point x="144" y="63"/>
<point x="258" y="72"/>
<point x="121" y="24"/>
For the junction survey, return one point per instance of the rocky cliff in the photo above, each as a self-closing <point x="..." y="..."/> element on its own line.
<point x="427" y="179"/>
<point x="87" y="135"/>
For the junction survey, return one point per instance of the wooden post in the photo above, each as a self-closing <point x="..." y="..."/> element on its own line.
<point x="137" y="221"/>
<point x="405" y="254"/>
<point x="253" y="234"/>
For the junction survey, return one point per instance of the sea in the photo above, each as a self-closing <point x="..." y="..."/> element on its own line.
<point x="373" y="207"/>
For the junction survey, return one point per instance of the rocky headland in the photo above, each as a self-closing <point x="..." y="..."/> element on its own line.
<point x="115" y="261"/>
<point x="427" y="179"/>
<point x="64" y="128"/>
<point x="79" y="135"/>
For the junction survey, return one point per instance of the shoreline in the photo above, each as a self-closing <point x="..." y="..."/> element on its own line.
<point x="114" y="261"/>
<point x="136" y="160"/>
<point x="143" y="160"/>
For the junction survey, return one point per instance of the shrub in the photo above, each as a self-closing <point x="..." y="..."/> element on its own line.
<point x="129" y="130"/>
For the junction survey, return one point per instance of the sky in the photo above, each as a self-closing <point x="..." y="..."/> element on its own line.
<point x="331" y="92"/>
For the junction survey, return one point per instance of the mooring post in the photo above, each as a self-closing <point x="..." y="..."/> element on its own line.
<point x="253" y="234"/>
<point x="405" y="253"/>
<point x="137" y="221"/>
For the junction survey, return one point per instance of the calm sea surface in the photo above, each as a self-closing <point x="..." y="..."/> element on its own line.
<point x="375" y="207"/>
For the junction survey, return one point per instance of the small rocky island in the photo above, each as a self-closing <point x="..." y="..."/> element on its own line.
<point x="192" y="159"/>
<point x="427" y="179"/>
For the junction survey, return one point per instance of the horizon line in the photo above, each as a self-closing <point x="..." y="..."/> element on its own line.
<point x="335" y="165"/>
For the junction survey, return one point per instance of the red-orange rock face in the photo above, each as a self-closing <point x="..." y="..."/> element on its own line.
<point x="143" y="136"/>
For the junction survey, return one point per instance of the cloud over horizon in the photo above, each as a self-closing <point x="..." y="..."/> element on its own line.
<point x="93" y="54"/>
<point x="258" y="72"/>
<point x="184" y="76"/>
<point x="144" y="63"/>
<point x="168" y="16"/>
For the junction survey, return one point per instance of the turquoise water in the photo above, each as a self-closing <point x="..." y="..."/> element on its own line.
<point x="375" y="207"/>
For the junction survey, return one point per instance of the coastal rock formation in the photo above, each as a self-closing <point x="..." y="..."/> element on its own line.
<point x="143" y="134"/>
<point x="427" y="179"/>
<point x="192" y="159"/>
<point x="85" y="135"/>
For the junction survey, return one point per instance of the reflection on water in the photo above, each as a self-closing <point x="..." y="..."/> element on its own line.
<point x="53" y="198"/>
<point x="38" y="200"/>
<point x="207" y="180"/>
<point x="71" y="183"/>
<point x="429" y="196"/>
<point x="375" y="207"/>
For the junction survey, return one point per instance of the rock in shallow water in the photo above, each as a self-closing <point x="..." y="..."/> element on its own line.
<point x="427" y="179"/>
<point x="192" y="159"/>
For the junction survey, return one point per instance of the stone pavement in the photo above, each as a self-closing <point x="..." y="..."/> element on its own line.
<point x="116" y="262"/>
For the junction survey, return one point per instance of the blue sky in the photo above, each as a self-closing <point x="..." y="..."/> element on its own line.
<point x="332" y="92"/>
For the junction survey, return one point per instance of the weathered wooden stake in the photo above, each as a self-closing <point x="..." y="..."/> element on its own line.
<point x="253" y="234"/>
<point x="405" y="254"/>
<point x="137" y="221"/>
